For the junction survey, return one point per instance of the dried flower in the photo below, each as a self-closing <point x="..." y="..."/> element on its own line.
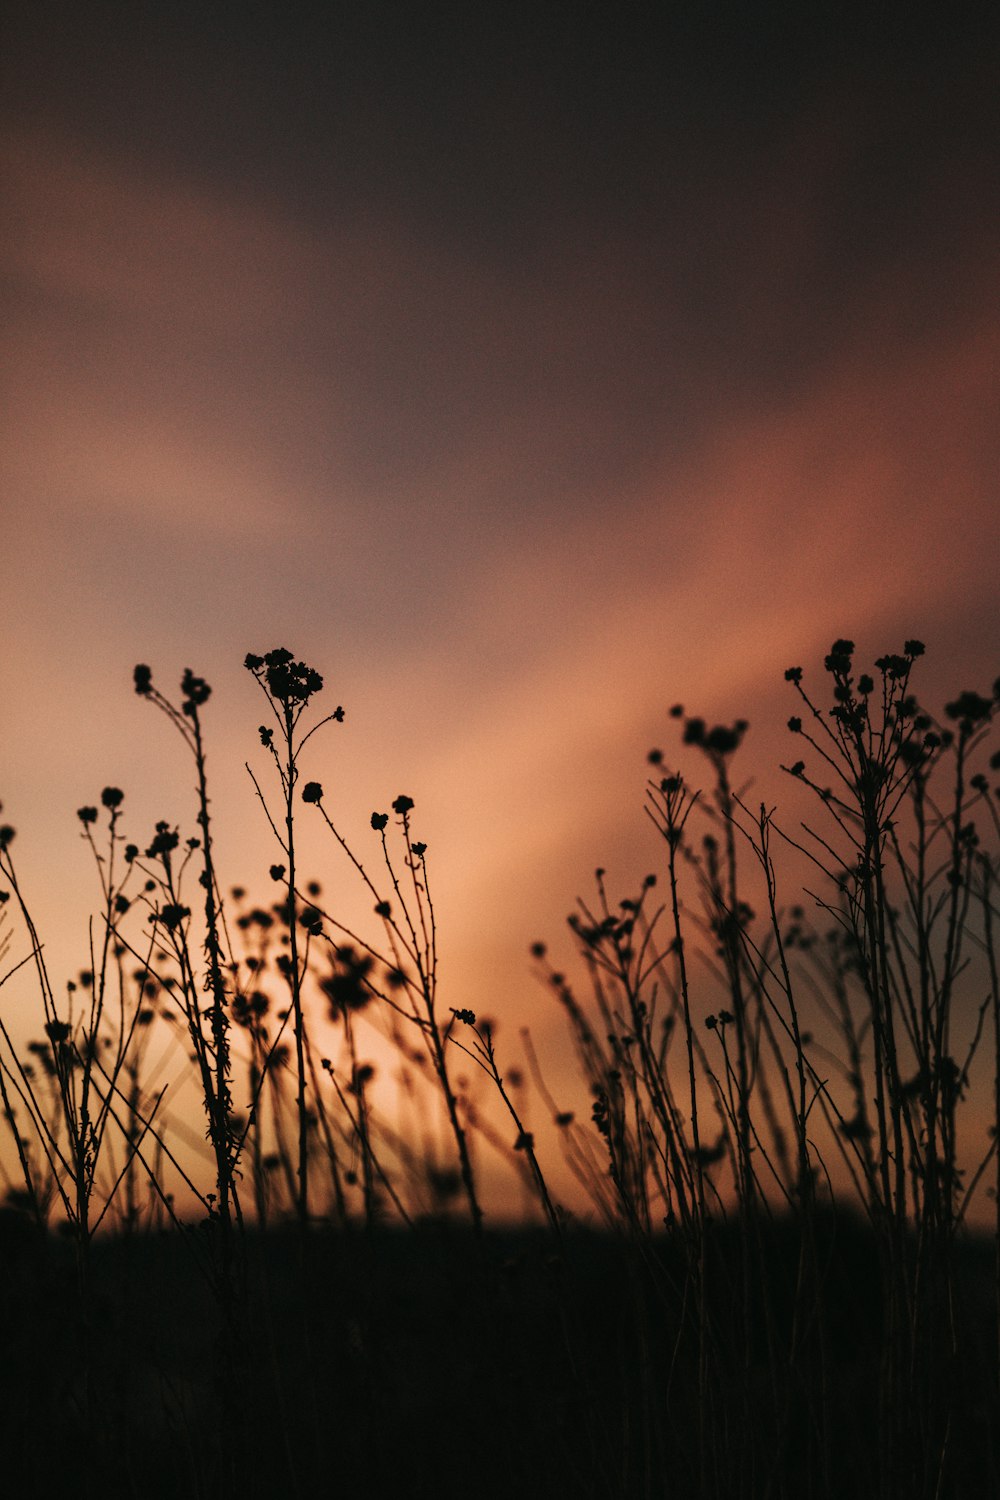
<point x="173" y="915"/>
<point x="164" y="841"/>
<point x="969" y="707"/>
<point x="195" y="690"/>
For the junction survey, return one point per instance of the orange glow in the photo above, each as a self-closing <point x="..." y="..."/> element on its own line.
<point x="508" y="522"/>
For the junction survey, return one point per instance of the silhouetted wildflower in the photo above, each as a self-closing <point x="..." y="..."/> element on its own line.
<point x="87" y="815"/>
<point x="173" y="915"/>
<point x="839" y="660"/>
<point x="289" y="682"/>
<point x="312" y="792"/>
<point x="164" y="841"/>
<point x="893" y="667"/>
<point x="112" y="797"/>
<point x="195" y="690"/>
<point x="402" y="805"/>
<point x="419" y="850"/>
<point x="468" y="1016"/>
<point x="143" y="679"/>
<point x="723" y="741"/>
<point x="379" y="821"/>
<point x="277" y="872"/>
<point x="795" y="725"/>
<point x="348" y="987"/>
<point x="266" y="737"/>
<point x="970" y="708"/>
<point x="793" y="674"/>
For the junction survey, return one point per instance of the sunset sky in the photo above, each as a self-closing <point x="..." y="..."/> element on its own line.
<point x="525" y="370"/>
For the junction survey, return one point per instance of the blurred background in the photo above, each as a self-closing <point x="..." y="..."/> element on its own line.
<point x="525" y="371"/>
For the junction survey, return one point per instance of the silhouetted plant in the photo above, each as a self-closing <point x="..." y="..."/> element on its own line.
<point x="212" y="1054"/>
<point x="288" y="685"/>
<point x="410" y="960"/>
<point x="744" y="1049"/>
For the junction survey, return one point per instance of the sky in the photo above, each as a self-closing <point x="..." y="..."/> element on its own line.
<point x="523" y="371"/>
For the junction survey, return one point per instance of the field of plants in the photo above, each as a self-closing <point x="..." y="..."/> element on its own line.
<point x="785" y="1279"/>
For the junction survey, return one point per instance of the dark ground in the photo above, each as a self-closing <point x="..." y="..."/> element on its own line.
<point x="413" y="1364"/>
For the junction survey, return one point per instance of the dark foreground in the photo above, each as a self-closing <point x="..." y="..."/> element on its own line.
<point x="417" y="1365"/>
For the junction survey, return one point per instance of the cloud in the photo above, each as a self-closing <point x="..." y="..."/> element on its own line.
<point x="511" y="504"/>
